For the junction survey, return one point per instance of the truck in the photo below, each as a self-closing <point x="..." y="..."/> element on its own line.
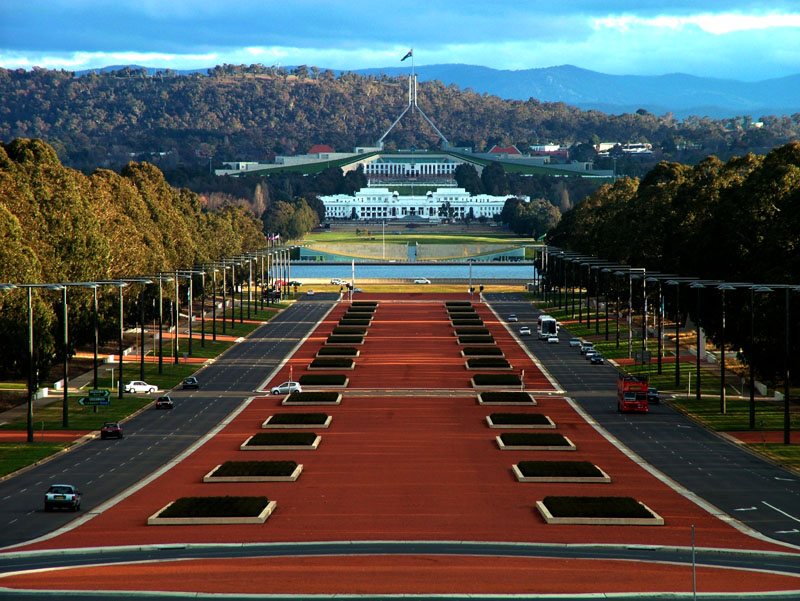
<point x="547" y="326"/>
<point x="631" y="394"/>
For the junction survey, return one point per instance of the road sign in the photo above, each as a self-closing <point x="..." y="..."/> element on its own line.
<point x="96" y="397"/>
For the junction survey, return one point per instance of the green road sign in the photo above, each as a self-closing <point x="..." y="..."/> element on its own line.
<point x="96" y="397"/>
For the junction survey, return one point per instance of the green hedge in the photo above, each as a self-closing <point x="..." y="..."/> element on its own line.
<point x="519" y="419"/>
<point x="285" y="419"/>
<point x="457" y="304"/>
<point x="559" y="469"/>
<point x="256" y="468"/>
<point x="332" y="362"/>
<point x="215" y="507"/>
<point x="475" y="339"/>
<point x="460" y="310"/>
<point x="505" y="397"/>
<point x="361" y="316"/>
<point x="360" y="310"/>
<point x="282" y="438"/>
<point x="349" y="331"/>
<point x="482" y="350"/>
<point x="354" y="322"/>
<point x="344" y="339"/>
<point x="533" y="439"/>
<point x="595" y="507"/>
<point x="338" y="351"/>
<point x="364" y="303"/>
<point x="315" y="396"/>
<point x="478" y="331"/>
<point x="466" y="322"/>
<point x="322" y="380"/>
<point x="497" y="380"/>
<point x="482" y="362"/>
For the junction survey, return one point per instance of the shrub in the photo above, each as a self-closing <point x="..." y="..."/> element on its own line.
<point x="344" y="339"/>
<point x="282" y="438"/>
<point x="475" y="340"/>
<point x="361" y="316"/>
<point x="513" y="419"/>
<point x="595" y="507"/>
<point x="207" y="507"/>
<point x="461" y="310"/>
<point x="483" y="362"/>
<point x="497" y="380"/>
<point x="472" y="332"/>
<point x="338" y="351"/>
<point x="506" y="397"/>
<point x="323" y="379"/>
<point x="313" y="396"/>
<point x="256" y="468"/>
<point x="533" y="439"/>
<point x="345" y="331"/>
<point x="359" y="310"/>
<point x="457" y="304"/>
<point x="284" y="419"/>
<point x="364" y="304"/>
<point x="346" y="321"/>
<point x="558" y="469"/>
<point x="481" y="350"/>
<point x="332" y="362"/>
<point x="466" y="322"/>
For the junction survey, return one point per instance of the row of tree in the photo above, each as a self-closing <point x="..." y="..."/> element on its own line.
<point x="734" y="221"/>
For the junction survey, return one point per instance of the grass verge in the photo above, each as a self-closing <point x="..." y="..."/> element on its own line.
<point x="16" y="455"/>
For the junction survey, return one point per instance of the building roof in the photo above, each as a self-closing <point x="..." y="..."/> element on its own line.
<point x="504" y="149"/>
<point x="317" y="148"/>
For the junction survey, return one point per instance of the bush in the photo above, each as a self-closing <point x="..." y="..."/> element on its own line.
<point x="359" y="310"/>
<point x="314" y="396"/>
<point x="322" y="380"/>
<point x="472" y="332"/>
<point x="481" y="350"/>
<point x="346" y="321"/>
<point x="339" y="351"/>
<point x="595" y="507"/>
<point x="533" y="439"/>
<point x="457" y="304"/>
<point x="364" y="304"/>
<point x="256" y="468"/>
<point x="461" y="311"/>
<point x="467" y="322"/>
<point x="361" y="316"/>
<point x="213" y="507"/>
<point x="505" y="397"/>
<point x="344" y="339"/>
<point x="497" y="380"/>
<point x="284" y="419"/>
<point x="332" y="362"/>
<point x="282" y="438"/>
<point x="345" y="331"/>
<point x="475" y="340"/>
<point x="558" y="469"/>
<point x="484" y="362"/>
<point x="514" y="419"/>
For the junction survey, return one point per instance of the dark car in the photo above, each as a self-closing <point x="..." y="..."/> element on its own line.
<point x="652" y="396"/>
<point x="597" y="359"/>
<point x="190" y="382"/>
<point x="163" y="402"/>
<point x="111" y="430"/>
<point x="62" y="495"/>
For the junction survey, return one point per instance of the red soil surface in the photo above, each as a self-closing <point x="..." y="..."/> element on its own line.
<point x="760" y="436"/>
<point x="382" y="574"/>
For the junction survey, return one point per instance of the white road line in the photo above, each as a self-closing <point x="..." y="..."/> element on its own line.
<point x="791" y="517"/>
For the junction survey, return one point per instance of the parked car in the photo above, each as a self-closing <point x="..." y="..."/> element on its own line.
<point x="586" y="347"/>
<point x="286" y="388"/>
<point x="190" y="382"/>
<point x="338" y="282"/>
<point x="111" y="430"/>
<point x="62" y="495"/>
<point x="597" y="359"/>
<point x="512" y="318"/>
<point x="552" y="340"/>
<point x="422" y="281"/>
<point x="574" y="342"/>
<point x="164" y="402"/>
<point x="140" y="386"/>
<point x="653" y="396"/>
<point x="524" y="331"/>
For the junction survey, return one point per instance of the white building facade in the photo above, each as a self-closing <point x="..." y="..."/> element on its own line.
<point x="381" y="203"/>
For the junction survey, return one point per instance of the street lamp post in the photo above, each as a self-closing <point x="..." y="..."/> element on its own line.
<point x="753" y="290"/>
<point x="722" y="401"/>
<point x="677" y="285"/>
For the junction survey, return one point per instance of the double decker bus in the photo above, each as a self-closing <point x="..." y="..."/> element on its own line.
<point x="631" y="394"/>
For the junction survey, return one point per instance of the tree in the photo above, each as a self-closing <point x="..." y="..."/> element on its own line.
<point x="494" y="179"/>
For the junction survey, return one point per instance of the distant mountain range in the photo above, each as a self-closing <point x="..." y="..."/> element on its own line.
<point x="678" y="93"/>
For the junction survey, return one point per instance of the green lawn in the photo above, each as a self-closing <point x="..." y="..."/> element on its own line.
<point x="376" y="237"/>
<point x="16" y="455"/>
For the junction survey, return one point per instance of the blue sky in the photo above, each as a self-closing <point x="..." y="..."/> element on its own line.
<point x="732" y="39"/>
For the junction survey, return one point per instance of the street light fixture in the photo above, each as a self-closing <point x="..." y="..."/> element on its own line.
<point x="753" y="290"/>
<point x="722" y="404"/>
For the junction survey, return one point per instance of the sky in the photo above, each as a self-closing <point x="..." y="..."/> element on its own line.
<point x="734" y="39"/>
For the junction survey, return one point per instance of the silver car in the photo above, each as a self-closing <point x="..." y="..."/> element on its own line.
<point x="287" y="388"/>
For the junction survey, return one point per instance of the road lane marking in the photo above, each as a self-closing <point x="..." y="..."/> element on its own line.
<point x="791" y="517"/>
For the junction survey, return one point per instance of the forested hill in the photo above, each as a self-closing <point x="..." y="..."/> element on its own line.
<point x="247" y="113"/>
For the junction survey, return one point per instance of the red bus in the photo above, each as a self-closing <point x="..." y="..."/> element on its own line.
<point x="631" y="394"/>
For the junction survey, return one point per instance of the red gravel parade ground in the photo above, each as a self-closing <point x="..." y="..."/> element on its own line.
<point x="408" y="456"/>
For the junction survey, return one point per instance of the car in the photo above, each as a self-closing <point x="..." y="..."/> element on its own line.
<point x="111" y="430"/>
<point x="286" y="388"/>
<point x="310" y="292"/>
<point x="337" y="282"/>
<point x="590" y="353"/>
<point x="357" y="290"/>
<point x="524" y="331"/>
<point x="62" y="495"/>
<point x="653" y="396"/>
<point x="422" y="281"/>
<point x="552" y="340"/>
<point x="140" y="386"/>
<point x="512" y="317"/>
<point x="574" y="342"/>
<point x="597" y="359"/>
<point x="164" y="402"/>
<point x="586" y="346"/>
<point x="190" y="382"/>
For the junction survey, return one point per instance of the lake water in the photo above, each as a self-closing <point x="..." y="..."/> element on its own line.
<point x="480" y="271"/>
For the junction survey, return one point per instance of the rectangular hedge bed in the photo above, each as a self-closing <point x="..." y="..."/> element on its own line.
<point x="213" y="510"/>
<point x="462" y="312"/>
<point x="364" y="304"/>
<point x="349" y="331"/>
<point x="299" y="420"/>
<point x="612" y="511"/>
<point x="361" y="316"/>
<point x="323" y="380"/>
<point x="347" y="321"/>
<point x="338" y="351"/>
<point x="255" y="471"/>
<point x="508" y="397"/>
<point x="360" y="310"/>
<point x="333" y="339"/>
<point x="282" y="441"/>
<point x="520" y="420"/>
<point x="332" y="363"/>
<point x="482" y="351"/>
<point x="458" y="323"/>
<point x="313" y="397"/>
<point x="472" y="331"/>
<point x="475" y="340"/>
<point x="457" y="304"/>
<point x="559" y="471"/>
<point x="487" y="363"/>
<point x="534" y="441"/>
<point x="496" y="380"/>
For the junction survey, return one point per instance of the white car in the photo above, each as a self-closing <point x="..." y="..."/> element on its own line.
<point x="524" y="331"/>
<point x="422" y="281"/>
<point x="140" y="386"/>
<point x="552" y="340"/>
<point x="512" y="317"/>
<point x="338" y="282"/>
<point x="575" y="342"/>
<point x="62" y="495"/>
<point x="287" y="388"/>
<point x="310" y="292"/>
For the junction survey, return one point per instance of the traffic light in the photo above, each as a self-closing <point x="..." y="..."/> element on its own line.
<point x="481" y="288"/>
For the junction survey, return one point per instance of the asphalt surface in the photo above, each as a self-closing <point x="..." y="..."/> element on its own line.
<point x="752" y="490"/>
<point x="102" y="469"/>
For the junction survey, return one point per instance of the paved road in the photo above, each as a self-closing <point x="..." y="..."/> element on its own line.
<point x="102" y="469"/>
<point x="754" y="491"/>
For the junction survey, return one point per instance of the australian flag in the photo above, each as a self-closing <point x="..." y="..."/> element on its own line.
<point x="409" y="53"/>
